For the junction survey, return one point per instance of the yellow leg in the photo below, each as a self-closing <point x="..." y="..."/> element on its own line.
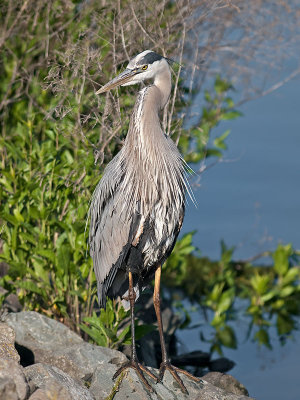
<point x="165" y="364"/>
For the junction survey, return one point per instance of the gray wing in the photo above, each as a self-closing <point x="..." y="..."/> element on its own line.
<point x="109" y="227"/>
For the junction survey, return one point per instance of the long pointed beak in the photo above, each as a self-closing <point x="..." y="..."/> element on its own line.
<point x="124" y="77"/>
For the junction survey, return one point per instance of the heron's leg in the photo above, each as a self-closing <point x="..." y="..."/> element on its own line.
<point x="165" y="364"/>
<point x="133" y="362"/>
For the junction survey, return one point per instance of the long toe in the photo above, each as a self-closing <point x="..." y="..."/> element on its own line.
<point x="174" y="372"/>
<point x="139" y="369"/>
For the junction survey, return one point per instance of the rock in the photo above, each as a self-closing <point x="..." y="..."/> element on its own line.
<point x="221" y="365"/>
<point x="66" y="366"/>
<point x="131" y="388"/>
<point x="226" y="382"/>
<point x="195" y="358"/>
<point x="11" y="303"/>
<point x="50" y="393"/>
<point x="8" y="389"/>
<point x="7" y="343"/>
<point x="211" y="392"/>
<point x="13" y="384"/>
<point x="30" y="327"/>
<point x="53" y="343"/>
<point x="4" y="267"/>
<point x="54" y="384"/>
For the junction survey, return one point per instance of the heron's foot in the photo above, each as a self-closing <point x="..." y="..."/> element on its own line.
<point x="139" y="369"/>
<point x="166" y="365"/>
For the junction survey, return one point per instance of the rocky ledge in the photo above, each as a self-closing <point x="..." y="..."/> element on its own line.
<point x="41" y="359"/>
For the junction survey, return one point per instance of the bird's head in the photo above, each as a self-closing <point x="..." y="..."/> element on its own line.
<point x="145" y="65"/>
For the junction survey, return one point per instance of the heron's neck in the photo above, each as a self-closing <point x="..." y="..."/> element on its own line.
<point x="145" y="130"/>
<point x="163" y="82"/>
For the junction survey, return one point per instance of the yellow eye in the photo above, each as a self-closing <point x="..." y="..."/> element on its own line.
<point x="144" y="67"/>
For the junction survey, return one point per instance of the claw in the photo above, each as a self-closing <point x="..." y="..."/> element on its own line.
<point x="165" y="365"/>
<point x="139" y="369"/>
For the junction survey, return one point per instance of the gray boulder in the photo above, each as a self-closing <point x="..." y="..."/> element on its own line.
<point x="226" y="382"/>
<point x="7" y="343"/>
<point x="55" y="344"/>
<point x="49" y="393"/>
<point x="13" y="384"/>
<point x="64" y="367"/>
<point x="54" y="384"/>
<point x="130" y="387"/>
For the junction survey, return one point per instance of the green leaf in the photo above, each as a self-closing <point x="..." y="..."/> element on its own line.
<point x="281" y="258"/>
<point x="219" y="141"/>
<point x="18" y="215"/>
<point x="47" y="254"/>
<point x="63" y="257"/>
<point x="260" y="283"/>
<point x="285" y="324"/>
<point x="96" y="335"/>
<point x="110" y="333"/>
<point x="41" y="271"/>
<point x="216" y="291"/>
<point x="125" y="335"/>
<point x="271" y="294"/>
<point x="226" y="252"/>
<point x="222" y="85"/>
<point x="9" y="218"/>
<point x="227" y="337"/>
<point x="226" y="300"/>
<point x="31" y="287"/>
<point x="292" y="275"/>
<point x="14" y="235"/>
<point x="229" y="115"/>
<point x="263" y="338"/>
<point x="28" y="238"/>
<point x="287" y="291"/>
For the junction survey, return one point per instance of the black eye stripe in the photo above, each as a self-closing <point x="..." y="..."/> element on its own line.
<point x="150" y="58"/>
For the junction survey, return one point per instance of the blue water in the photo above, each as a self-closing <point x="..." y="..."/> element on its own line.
<point x="252" y="198"/>
<point x="252" y="201"/>
<point x="267" y="374"/>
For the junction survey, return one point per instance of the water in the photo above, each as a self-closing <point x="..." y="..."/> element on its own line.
<point x="267" y="374"/>
<point x="252" y="201"/>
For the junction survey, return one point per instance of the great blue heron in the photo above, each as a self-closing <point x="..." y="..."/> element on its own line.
<point x="137" y="209"/>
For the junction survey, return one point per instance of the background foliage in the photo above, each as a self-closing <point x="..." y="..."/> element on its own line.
<point x="56" y="135"/>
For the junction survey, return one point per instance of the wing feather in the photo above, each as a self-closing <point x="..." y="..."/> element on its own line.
<point x="109" y="226"/>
